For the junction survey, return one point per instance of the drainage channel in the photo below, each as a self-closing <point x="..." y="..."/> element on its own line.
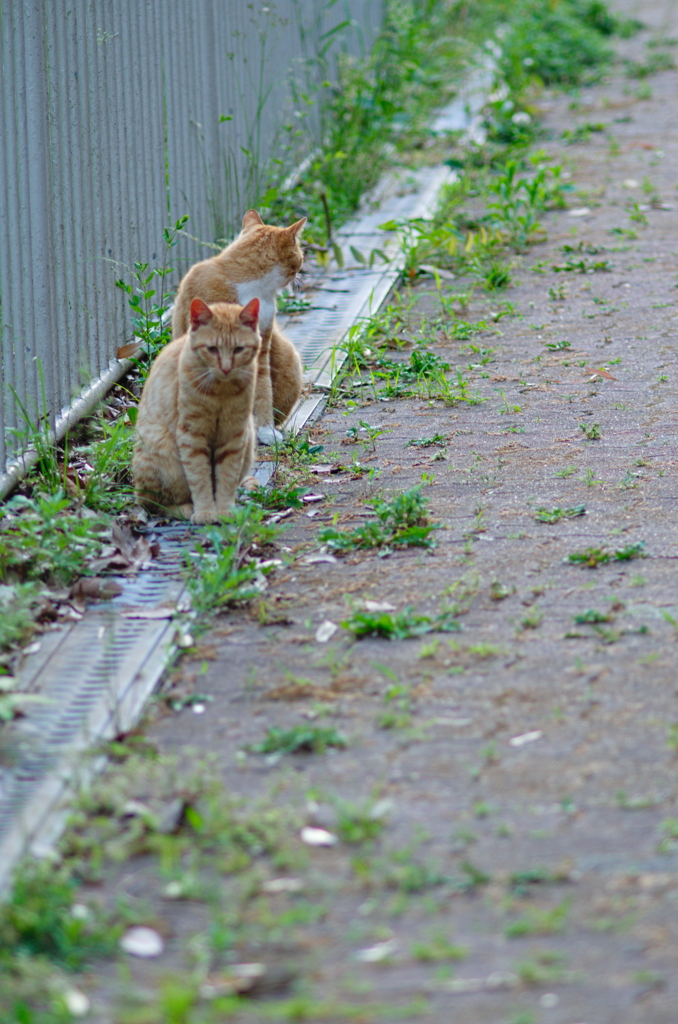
<point x="95" y="677"/>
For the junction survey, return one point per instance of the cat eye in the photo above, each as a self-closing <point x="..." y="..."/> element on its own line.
<point x="213" y="349"/>
<point x="239" y="348"/>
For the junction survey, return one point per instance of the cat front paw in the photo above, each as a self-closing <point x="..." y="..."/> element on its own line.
<point x="269" y="435"/>
<point x="201" y="517"/>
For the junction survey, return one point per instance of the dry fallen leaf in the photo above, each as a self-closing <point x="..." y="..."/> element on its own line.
<point x="599" y="373"/>
<point x="126" y="553"/>
<point x="96" y="588"/>
<point x="130" y="350"/>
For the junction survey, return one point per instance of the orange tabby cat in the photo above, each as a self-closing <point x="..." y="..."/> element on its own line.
<point x="195" y="428"/>
<point x="261" y="261"/>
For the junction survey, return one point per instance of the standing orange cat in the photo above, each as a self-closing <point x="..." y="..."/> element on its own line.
<point x="195" y="427"/>
<point x="261" y="261"/>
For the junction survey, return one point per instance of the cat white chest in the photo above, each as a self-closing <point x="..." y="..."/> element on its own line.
<point x="264" y="289"/>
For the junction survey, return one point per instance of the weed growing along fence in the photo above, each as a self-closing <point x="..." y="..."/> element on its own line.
<point x="119" y="118"/>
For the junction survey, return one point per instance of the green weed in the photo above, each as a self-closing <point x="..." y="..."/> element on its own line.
<point x="39" y="919"/>
<point x="591" y="616"/>
<point x="99" y="473"/>
<point x="44" y="539"/>
<point x="299" y="450"/>
<point x="655" y="62"/>
<point x="371" y="434"/>
<point x="669" y="830"/>
<point x="494" y="273"/>
<point x="581" y="266"/>
<point x="582" y="133"/>
<point x="149" y="306"/>
<point x="532" y="618"/>
<point x="519" y="203"/>
<point x="223" y="569"/>
<point x="277" y="498"/>
<point x="36" y="435"/>
<point x="310" y="739"/>
<point x="593" y="557"/>
<point x="438" y="440"/>
<point x="18" y="602"/>
<point x="398" y="707"/>
<point x="360" y="823"/>
<point x="591" y="431"/>
<point x="400" y="625"/>
<point x="13" y="701"/>
<point x="438" y="949"/>
<point x="554" y="515"/>
<point x="543" y="968"/>
<point x="289" y="304"/>
<point x="539" y="922"/>
<point x="400" y="522"/>
<point x="554" y="44"/>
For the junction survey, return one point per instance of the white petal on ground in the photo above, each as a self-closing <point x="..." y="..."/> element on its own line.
<point x="526" y="737"/>
<point x="378" y="606"/>
<point x="76" y="1002"/>
<point x="142" y="941"/>
<point x="373" y="954"/>
<point x="325" y="631"/>
<point x="579" y="211"/>
<point x="274" y="885"/>
<point x="317" y="836"/>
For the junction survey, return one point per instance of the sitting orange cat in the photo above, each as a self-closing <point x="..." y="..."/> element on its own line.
<point x="261" y="261"/>
<point x="195" y="428"/>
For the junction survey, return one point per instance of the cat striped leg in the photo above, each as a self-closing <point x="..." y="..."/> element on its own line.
<point x="196" y="459"/>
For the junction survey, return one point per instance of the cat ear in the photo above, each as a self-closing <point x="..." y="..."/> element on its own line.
<point x="251" y="220"/>
<point x="249" y="314"/>
<point x="296" y="229"/>
<point x="201" y="314"/>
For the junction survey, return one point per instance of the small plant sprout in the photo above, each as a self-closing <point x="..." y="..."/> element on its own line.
<point x="400" y="625"/>
<point x="400" y="522"/>
<point x="300" y="738"/>
<point x="593" y="557"/>
<point x="532" y="617"/>
<point x="372" y="433"/>
<point x="554" y="515"/>
<point x="591" y="431"/>
<point x="437" y="440"/>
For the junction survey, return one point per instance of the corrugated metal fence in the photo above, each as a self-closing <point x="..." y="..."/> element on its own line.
<point x="119" y="116"/>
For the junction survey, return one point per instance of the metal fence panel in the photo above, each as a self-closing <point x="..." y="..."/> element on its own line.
<point x="119" y="116"/>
